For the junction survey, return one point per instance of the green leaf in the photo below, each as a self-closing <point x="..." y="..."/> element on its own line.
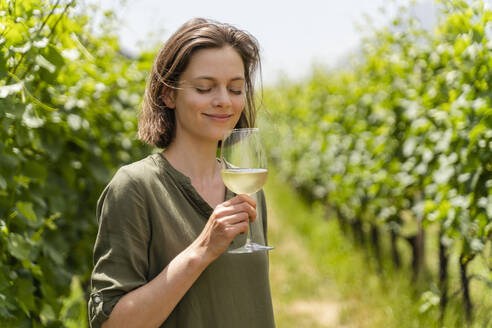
<point x="47" y="314"/>
<point x="3" y="66"/>
<point x="15" y="110"/>
<point x="35" y="170"/>
<point x="44" y="63"/>
<point x="476" y="132"/>
<point x="25" y="295"/>
<point x="15" y="34"/>
<point x="3" y="182"/>
<point x="52" y="61"/>
<point x="3" y="227"/>
<point x="74" y="306"/>
<point x="18" y="247"/>
<point x="29" y="5"/>
<point x="54" y="57"/>
<point x="26" y="210"/>
<point x="22" y="181"/>
<point x="7" y="90"/>
<point x="8" y="161"/>
<point x="55" y="254"/>
<point x="22" y="136"/>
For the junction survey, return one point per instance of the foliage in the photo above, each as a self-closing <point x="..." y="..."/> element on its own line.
<point x="403" y="138"/>
<point x="67" y="121"/>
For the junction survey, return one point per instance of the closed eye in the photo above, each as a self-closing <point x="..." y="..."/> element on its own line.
<point x="236" y="92"/>
<point x="200" y="90"/>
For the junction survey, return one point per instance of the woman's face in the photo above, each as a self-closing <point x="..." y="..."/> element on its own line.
<point x="211" y="95"/>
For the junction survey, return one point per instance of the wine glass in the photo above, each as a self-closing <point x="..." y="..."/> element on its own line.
<point x="244" y="171"/>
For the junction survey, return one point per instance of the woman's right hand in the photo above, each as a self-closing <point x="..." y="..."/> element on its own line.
<point x="227" y="220"/>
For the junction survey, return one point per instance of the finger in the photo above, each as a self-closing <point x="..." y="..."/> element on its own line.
<point x="232" y="225"/>
<point x="237" y="208"/>
<point x="234" y="219"/>
<point x="238" y="228"/>
<point x="239" y="199"/>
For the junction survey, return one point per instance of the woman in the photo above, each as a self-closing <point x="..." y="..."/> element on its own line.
<point x="165" y="221"/>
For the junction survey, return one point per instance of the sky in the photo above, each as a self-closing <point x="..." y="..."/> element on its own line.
<point x="293" y="35"/>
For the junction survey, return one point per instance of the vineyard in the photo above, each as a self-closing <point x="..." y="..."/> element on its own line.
<point x="397" y="147"/>
<point x="67" y="121"/>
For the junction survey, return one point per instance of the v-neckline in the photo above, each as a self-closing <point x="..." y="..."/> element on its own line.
<point x="189" y="190"/>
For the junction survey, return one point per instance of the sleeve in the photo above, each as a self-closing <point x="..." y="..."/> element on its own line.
<point x="121" y="247"/>
<point x="263" y="212"/>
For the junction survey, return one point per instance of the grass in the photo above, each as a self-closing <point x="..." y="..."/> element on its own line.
<point x="320" y="279"/>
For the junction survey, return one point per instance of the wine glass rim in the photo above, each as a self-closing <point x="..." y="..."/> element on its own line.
<point x="244" y="129"/>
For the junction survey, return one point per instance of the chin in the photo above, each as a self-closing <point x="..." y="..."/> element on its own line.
<point x="218" y="133"/>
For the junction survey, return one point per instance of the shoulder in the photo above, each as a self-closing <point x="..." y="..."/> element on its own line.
<point x="130" y="179"/>
<point x="129" y="186"/>
<point x="138" y="173"/>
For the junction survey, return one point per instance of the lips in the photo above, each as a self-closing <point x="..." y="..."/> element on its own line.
<point x="219" y="117"/>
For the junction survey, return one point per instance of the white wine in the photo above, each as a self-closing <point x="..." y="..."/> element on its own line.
<point x="244" y="181"/>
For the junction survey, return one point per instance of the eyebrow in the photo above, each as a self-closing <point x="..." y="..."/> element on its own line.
<point x="204" y="77"/>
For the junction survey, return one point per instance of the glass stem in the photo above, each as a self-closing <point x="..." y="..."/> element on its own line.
<point x="250" y="233"/>
<point x="249" y="237"/>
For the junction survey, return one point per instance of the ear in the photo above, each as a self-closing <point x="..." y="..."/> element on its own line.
<point x="168" y="95"/>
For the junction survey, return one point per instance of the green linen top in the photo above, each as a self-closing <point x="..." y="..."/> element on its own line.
<point x="147" y="215"/>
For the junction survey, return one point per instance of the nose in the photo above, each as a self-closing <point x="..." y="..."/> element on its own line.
<point x="222" y="99"/>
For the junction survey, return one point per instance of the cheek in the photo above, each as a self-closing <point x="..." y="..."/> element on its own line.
<point x="194" y="101"/>
<point x="239" y="103"/>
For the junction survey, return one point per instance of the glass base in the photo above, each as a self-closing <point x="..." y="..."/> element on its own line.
<point x="250" y="248"/>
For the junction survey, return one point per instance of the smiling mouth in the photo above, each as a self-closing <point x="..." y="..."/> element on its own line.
<point x="220" y="117"/>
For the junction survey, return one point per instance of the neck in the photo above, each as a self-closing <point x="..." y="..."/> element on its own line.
<point x="195" y="160"/>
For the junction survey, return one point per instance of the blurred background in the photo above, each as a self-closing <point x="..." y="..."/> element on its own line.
<point x="294" y="37"/>
<point x="377" y="117"/>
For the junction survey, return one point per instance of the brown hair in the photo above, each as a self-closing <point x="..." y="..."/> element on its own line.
<point x="157" y="124"/>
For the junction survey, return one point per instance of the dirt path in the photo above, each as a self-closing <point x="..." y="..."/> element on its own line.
<point x="299" y="290"/>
